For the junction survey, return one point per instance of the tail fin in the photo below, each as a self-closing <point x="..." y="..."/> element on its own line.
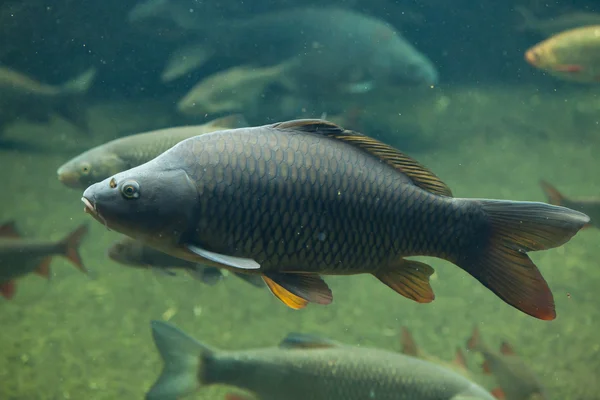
<point x="183" y="358"/>
<point x="71" y="246"/>
<point x="497" y="256"/>
<point x="554" y="196"/>
<point x="80" y="84"/>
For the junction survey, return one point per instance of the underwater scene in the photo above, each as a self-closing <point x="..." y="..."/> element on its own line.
<point x="299" y="200"/>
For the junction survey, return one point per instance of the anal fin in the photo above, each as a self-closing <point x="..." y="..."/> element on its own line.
<point x="409" y="278"/>
<point x="297" y="290"/>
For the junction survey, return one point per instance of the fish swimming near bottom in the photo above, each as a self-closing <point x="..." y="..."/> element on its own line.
<point x="21" y="256"/>
<point x="515" y="379"/>
<point x="303" y="367"/>
<point x="131" y="252"/>
<point x="589" y="206"/>
<point x="295" y="200"/>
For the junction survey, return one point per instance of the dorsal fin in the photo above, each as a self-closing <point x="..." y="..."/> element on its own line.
<point x="305" y="341"/>
<point x="418" y="174"/>
<point x="9" y="230"/>
<point x="228" y="122"/>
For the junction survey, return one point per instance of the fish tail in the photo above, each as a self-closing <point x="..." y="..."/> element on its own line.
<point x="71" y="246"/>
<point x="184" y="362"/>
<point x="554" y="196"/>
<point x="496" y="255"/>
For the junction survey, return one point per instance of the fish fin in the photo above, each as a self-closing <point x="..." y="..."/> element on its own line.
<point x="9" y="230"/>
<point x="184" y="359"/>
<point x="460" y="359"/>
<point x="485" y="366"/>
<point x="208" y="275"/>
<point x="71" y="246"/>
<point x="498" y="393"/>
<point x="474" y="342"/>
<point x="409" y="278"/>
<point x="185" y="59"/>
<point x="409" y="346"/>
<point x="236" y="262"/>
<point x="8" y="289"/>
<point x="496" y="254"/>
<point x="230" y="121"/>
<point x="554" y="196"/>
<point x="571" y="68"/>
<point x="305" y="341"/>
<point x="507" y="349"/>
<point x="291" y="287"/>
<point x="81" y="83"/>
<point x="254" y="280"/>
<point x="418" y="174"/>
<point x="44" y="268"/>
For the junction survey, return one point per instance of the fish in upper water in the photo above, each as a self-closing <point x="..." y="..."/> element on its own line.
<point x="295" y="200"/>
<point x="127" y="152"/>
<point x="410" y="347"/>
<point x="20" y="256"/>
<point x="128" y="251"/>
<point x="516" y="381"/>
<point x="232" y="90"/>
<point x="24" y="97"/>
<point x="590" y="206"/>
<point x="302" y="367"/>
<point x="573" y="55"/>
<point x="333" y="46"/>
<point x="556" y="24"/>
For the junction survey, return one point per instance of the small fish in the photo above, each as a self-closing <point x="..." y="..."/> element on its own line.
<point x="302" y="367"/>
<point x="589" y="206"/>
<point x="20" y="256"/>
<point x="573" y="55"/>
<point x="516" y="381"/>
<point x="127" y="152"/>
<point x="131" y="252"/>
<point x="458" y="365"/>
<point x="24" y="97"/>
<point x="557" y="24"/>
<point x="295" y="200"/>
<point x="232" y="90"/>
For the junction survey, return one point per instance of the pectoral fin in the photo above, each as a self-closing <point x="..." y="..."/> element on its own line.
<point x="231" y="261"/>
<point x="297" y="290"/>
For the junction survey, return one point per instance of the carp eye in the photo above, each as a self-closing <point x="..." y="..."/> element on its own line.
<point x="85" y="168"/>
<point x="130" y="190"/>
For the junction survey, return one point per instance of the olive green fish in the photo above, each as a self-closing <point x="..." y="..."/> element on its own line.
<point x="127" y="152"/>
<point x="21" y="256"/>
<point x="303" y="367"/>
<point x="589" y="206"/>
<point x="515" y="379"/>
<point x="131" y="252"/>
<point x="295" y="200"/>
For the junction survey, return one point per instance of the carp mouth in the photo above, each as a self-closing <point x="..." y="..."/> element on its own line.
<point x="93" y="211"/>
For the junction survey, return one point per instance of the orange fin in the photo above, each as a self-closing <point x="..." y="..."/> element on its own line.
<point x="9" y="230"/>
<point x="7" y="289"/>
<point x="507" y="349"/>
<point x="573" y="68"/>
<point x="409" y="346"/>
<point x="460" y="359"/>
<point x="417" y="173"/>
<point x="44" y="268"/>
<point x="474" y="342"/>
<point x="486" y="367"/>
<point x="297" y="290"/>
<point x="554" y="196"/>
<point x="72" y="243"/>
<point x="498" y="393"/>
<point x="409" y="278"/>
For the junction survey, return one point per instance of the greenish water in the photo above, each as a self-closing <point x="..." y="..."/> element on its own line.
<point x="82" y="338"/>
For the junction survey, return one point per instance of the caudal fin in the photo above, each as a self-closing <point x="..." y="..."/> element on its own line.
<point x="183" y="358"/>
<point x="497" y="255"/>
<point x="71" y="246"/>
